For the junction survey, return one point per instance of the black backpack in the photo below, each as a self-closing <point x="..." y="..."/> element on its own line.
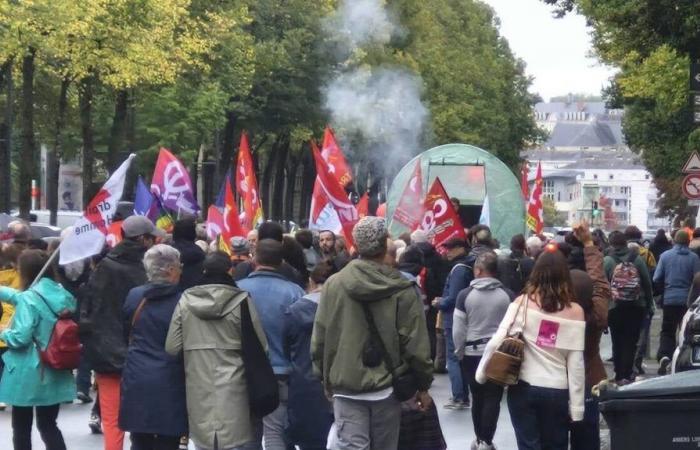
<point x="263" y="391"/>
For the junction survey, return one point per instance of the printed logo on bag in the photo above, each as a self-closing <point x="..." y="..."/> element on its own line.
<point x="547" y="337"/>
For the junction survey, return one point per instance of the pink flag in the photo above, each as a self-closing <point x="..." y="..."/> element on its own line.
<point x="215" y="222"/>
<point x="409" y="211"/>
<point x="171" y="183"/>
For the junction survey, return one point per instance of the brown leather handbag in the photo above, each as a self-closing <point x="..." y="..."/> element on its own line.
<point x="503" y="368"/>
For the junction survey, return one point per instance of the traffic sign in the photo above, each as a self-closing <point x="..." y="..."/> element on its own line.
<point x="693" y="164"/>
<point x="691" y="186"/>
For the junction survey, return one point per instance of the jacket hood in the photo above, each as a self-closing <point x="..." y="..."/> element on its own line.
<point x="681" y="249"/>
<point x="368" y="281"/>
<point x="127" y="250"/>
<point x="157" y="291"/>
<point x="486" y="284"/>
<point x="620" y="253"/>
<point x="190" y="254"/>
<point x="210" y="301"/>
<point x="412" y="268"/>
<point x="58" y="299"/>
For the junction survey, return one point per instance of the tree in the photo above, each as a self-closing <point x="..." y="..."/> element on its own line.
<point x="552" y="217"/>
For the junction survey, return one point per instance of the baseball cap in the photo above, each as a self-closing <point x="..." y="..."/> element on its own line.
<point x="240" y="245"/>
<point x="455" y="242"/>
<point x="135" y="226"/>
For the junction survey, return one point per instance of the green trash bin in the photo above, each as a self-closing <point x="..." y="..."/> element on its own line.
<point x="656" y="414"/>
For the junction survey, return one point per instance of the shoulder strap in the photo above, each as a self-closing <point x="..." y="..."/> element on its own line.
<point x="374" y="332"/>
<point x="136" y="316"/>
<point x="517" y="312"/>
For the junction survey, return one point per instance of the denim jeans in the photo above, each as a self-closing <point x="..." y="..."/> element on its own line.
<point x="454" y="370"/>
<point x="486" y="400"/>
<point x="82" y="376"/>
<point x="625" y="322"/>
<point x="585" y="435"/>
<point x="540" y="417"/>
<point x="275" y="423"/>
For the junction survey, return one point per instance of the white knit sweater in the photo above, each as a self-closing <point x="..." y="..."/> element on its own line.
<point x="553" y="356"/>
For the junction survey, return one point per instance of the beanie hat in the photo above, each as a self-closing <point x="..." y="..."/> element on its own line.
<point x="370" y="235"/>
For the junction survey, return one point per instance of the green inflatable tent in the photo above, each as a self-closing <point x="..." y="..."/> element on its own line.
<point x="469" y="174"/>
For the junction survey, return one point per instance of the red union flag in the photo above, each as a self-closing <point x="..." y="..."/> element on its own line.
<point x="535" y="221"/>
<point x="232" y="223"/>
<point x="88" y="235"/>
<point x="363" y="206"/>
<point x="524" y="186"/>
<point x="247" y="186"/>
<point x="336" y="196"/>
<point x="171" y="183"/>
<point x="440" y="220"/>
<point x="215" y="222"/>
<point x="410" y="208"/>
<point x="337" y="165"/>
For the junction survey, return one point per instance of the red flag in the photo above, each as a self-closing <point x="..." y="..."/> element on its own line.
<point x="215" y="222"/>
<point x="535" y="220"/>
<point x="409" y="211"/>
<point x="114" y="234"/>
<point x="524" y="184"/>
<point x="232" y="223"/>
<point x="381" y="210"/>
<point x="336" y="196"/>
<point x="337" y="165"/>
<point x="318" y="199"/>
<point x="363" y="206"/>
<point x="171" y="183"/>
<point x="247" y="186"/>
<point x="440" y="220"/>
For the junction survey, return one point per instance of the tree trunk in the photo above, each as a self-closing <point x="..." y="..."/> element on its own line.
<point x="55" y="154"/>
<point x="291" y="182"/>
<point x="130" y="134"/>
<point x="6" y="139"/>
<point x="279" y="182"/>
<point x="117" y="134"/>
<point x="228" y="147"/>
<point x="267" y="181"/>
<point x="26" y="167"/>
<point x="86" y="96"/>
<point x="307" y="185"/>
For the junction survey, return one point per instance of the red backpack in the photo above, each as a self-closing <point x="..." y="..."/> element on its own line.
<point x="64" y="348"/>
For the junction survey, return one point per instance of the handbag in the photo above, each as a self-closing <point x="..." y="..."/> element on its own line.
<point x="405" y="385"/>
<point x="503" y="368"/>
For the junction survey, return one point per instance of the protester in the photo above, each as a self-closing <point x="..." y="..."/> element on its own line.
<point x="550" y="392"/>
<point x="31" y="385"/>
<point x="694" y="244"/>
<point x="252" y="239"/>
<point x="272" y="294"/>
<point x="240" y="250"/>
<point x="154" y="412"/>
<point x="293" y="253"/>
<point x="192" y="257"/>
<point x="480" y="309"/>
<point x="326" y="245"/>
<point x="459" y="278"/>
<point x="391" y="259"/>
<point x="306" y="239"/>
<point x="534" y="247"/>
<point x="310" y="412"/>
<point x="514" y="269"/>
<point x="9" y="277"/>
<point x="367" y="414"/>
<point x="206" y="330"/>
<point x="20" y="233"/>
<point x="101" y="325"/>
<point x="676" y="269"/>
<point x="632" y="299"/>
<point x="660" y="244"/>
<point x="592" y="293"/>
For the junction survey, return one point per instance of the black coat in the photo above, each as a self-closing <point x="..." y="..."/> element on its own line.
<point x="192" y="259"/>
<point x="245" y="268"/>
<point x="153" y="397"/>
<point x="514" y="271"/>
<point x="101" y="326"/>
<point x="310" y="413"/>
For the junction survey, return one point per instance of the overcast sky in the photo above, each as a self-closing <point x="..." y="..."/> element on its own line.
<point x="556" y="50"/>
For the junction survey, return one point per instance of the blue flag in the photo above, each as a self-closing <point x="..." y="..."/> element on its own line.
<point x="143" y="201"/>
<point x="220" y="199"/>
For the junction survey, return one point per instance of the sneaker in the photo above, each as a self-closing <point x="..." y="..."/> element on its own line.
<point x="485" y="446"/>
<point x="95" y="424"/>
<point x="624" y="382"/>
<point x="639" y="368"/>
<point x="663" y="365"/>
<point x="475" y="445"/>
<point x="84" y="398"/>
<point x="454" y="404"/>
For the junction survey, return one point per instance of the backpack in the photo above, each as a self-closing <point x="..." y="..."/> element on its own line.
<point x="64" y="349"/>
<point x="626" y="284"/>
<point x="689" y="352"/>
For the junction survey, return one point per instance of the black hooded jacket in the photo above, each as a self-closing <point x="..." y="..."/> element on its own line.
<point x="192" y="259"/>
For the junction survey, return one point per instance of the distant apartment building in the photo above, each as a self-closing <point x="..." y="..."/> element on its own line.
<point x="585" y="160"/>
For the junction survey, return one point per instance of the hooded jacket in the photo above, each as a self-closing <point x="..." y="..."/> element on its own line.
<point x="101" y="325"/>
<point x="646" y="297"/>
<point x="25" y="381"/>
<point x="192" y="258"/>
<point x="206" y="328"/>
<point x="676" y="269"/>
<point x="341" y="331"/>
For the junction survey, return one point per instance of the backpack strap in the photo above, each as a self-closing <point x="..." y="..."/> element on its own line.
<point x="135" y="317"/>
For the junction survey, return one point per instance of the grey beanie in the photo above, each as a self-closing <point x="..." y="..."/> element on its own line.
<point x="370" y="235"/>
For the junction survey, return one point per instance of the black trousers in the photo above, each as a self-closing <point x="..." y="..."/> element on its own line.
<point x="430" y="320"/>
<point x="673" y="316"/>
<point x="144" y="441"/>
<point x="486" y="400"/>
<point x="625" y="322"/>
<point x="22" y="418"/>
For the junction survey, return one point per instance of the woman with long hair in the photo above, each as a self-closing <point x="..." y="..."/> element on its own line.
<point x="31" y="386"/>
<point x="550" y="392"/>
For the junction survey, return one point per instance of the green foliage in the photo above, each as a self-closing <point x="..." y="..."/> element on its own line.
<point x="550" y="215"/>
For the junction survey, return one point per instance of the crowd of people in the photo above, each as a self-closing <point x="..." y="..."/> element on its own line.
<point x="296" y="340"/>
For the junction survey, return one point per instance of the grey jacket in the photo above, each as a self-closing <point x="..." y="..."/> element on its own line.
<point x="479" y="311"/>
<point x="206" y="326"/>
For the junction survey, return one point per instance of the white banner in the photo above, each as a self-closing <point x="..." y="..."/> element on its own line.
<point x="327" y="220"/>
<point x="88" y="235"/>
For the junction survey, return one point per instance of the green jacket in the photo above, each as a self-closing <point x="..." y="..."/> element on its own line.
<point x="25" y="381"/>
<point x="341" y="331"/>
<point x="646" y="297"/>
<point x="206" y="328"/>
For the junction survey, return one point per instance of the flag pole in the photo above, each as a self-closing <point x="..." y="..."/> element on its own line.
<point x="49" y="262"/>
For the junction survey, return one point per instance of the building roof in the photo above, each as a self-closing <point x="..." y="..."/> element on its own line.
<point x="569" y="174"/>
<point x="585" y="134"/>
<point x="597" y="109"/>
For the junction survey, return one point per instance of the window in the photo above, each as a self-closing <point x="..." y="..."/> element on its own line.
<point x="571" y="196"/>
<point x="595" y="176"/>
<point x="612" y="177"/>
<point x="646" y="177"/>
<point x="626" y="190"/>
<point x="558" y="196"/>
<point x="548" y="189"/>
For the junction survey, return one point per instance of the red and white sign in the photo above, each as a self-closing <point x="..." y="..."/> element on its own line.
<point x="693" y="164"/>
<point x="88" y="235"/>
<point x="440" y="220"/>
<point x="691" y="186"/>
